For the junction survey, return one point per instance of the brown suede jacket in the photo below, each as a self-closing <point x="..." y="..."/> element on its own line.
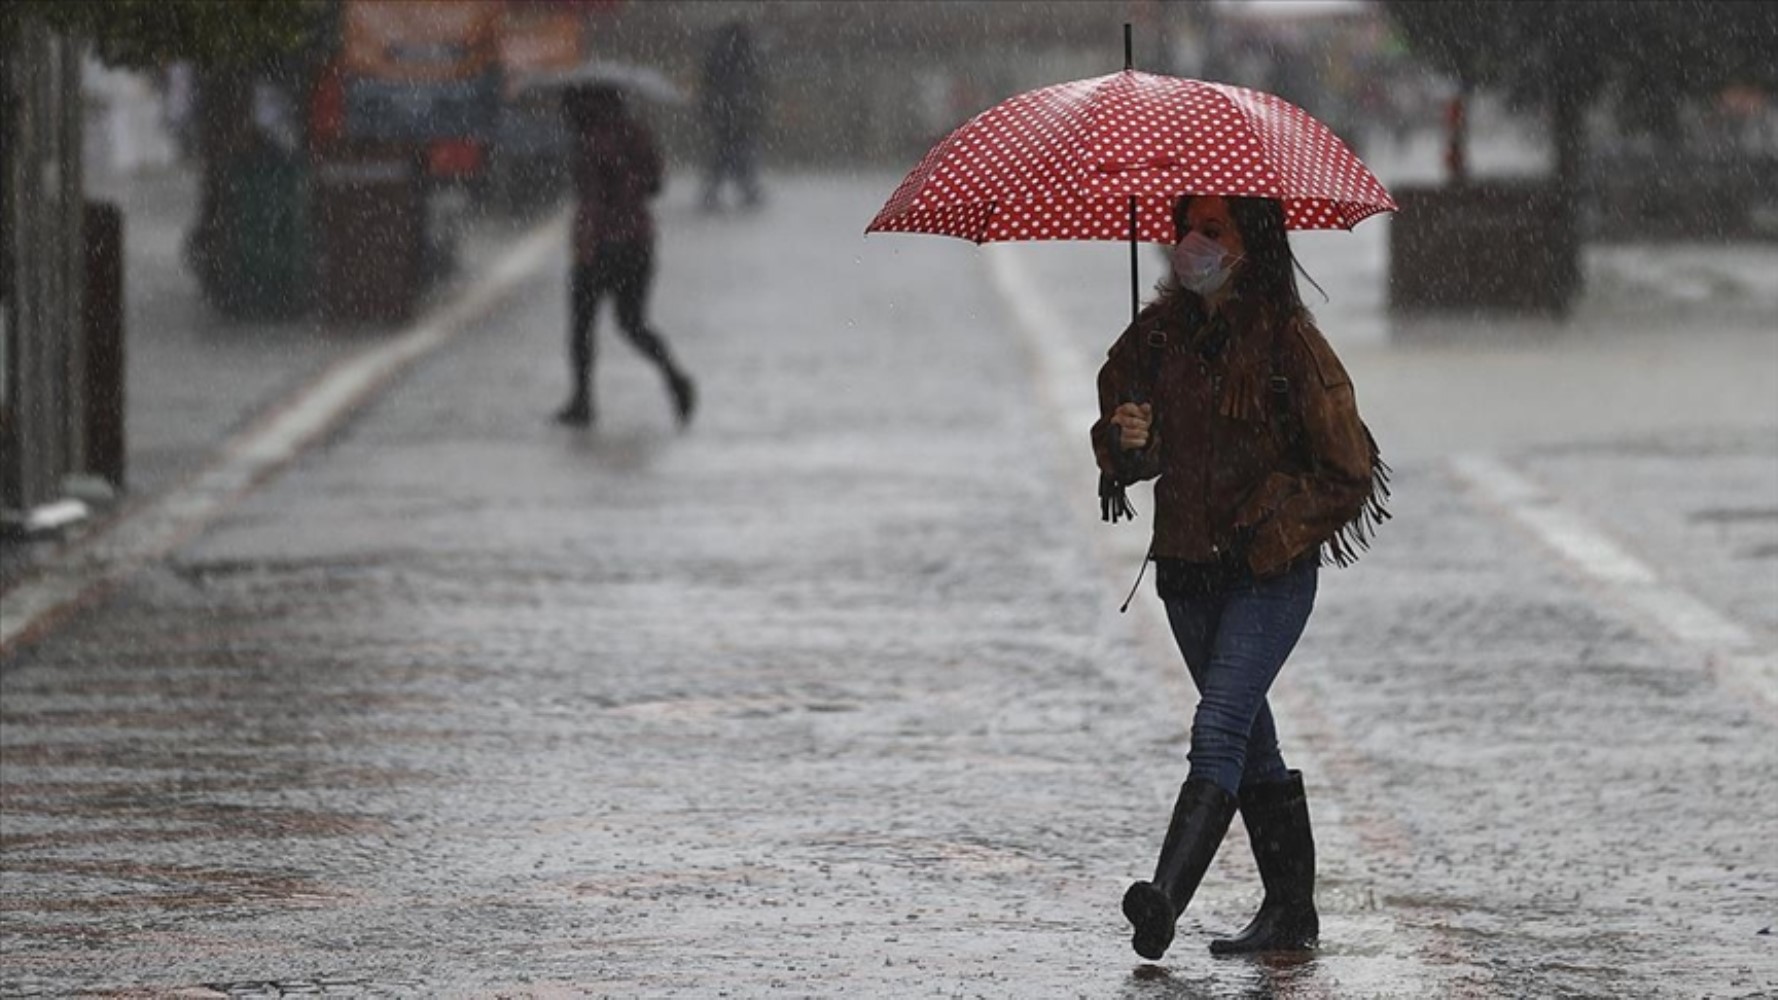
<point x="1247" y="464"/>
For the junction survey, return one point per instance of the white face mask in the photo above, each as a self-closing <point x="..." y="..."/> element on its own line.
<point x="1198" y="263"/>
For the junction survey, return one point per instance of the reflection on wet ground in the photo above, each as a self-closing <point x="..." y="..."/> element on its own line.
<point x="1265" y="977"/>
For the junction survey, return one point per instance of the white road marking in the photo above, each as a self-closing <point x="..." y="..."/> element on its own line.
<point x="149" y="532"/>
<point x="1065" y="375"/>
<point x="1734" y="654"/>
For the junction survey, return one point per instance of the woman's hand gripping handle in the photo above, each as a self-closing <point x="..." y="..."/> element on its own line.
<point x="1133" y="421"/>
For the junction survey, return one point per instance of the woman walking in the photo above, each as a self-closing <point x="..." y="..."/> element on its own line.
<point x="1224" y="389"/>
<point x="616" y="171"/>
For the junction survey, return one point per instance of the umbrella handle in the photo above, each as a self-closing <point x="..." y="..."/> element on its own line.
<point x="1128" y="459"/>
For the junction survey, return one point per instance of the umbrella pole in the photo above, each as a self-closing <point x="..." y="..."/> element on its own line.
<point x="1134" y="295"/>
<point x="1129" y="64"/>
<point x="1114" y="504"/>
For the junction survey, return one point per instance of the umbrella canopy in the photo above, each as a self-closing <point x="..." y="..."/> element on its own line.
<point x="643" y="81"/>
<point x="1063" y="163"/>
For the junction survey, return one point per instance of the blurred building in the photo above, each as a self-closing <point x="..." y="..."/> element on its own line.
<point x="875" y="83"/>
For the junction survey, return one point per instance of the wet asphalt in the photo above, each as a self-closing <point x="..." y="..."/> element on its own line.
<point x="828" y="694"/>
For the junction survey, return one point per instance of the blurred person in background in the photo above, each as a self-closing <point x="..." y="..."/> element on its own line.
<point x="616" y="171"/>
<point x="1265" y="471"/>
<point x="733" y="102"/>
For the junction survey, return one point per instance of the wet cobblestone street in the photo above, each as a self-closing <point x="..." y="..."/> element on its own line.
<point x="829" y="695"/>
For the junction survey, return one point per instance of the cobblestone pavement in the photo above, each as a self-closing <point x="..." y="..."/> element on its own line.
<point x="830" y="694"/>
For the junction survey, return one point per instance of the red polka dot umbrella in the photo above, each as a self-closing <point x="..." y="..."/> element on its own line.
<point x="1063" y="162"/>
<point x="1105" y="158"/>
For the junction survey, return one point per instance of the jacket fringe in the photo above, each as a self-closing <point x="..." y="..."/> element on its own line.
<point x="1353" y="538"/>
<point x="1243" y="397"/>
<point x="1114" y="503"/>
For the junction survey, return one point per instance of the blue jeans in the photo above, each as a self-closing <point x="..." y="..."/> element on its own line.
<point x="1234" y="642"/>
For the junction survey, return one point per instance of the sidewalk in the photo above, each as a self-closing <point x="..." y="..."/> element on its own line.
<point x="174" y="421"/>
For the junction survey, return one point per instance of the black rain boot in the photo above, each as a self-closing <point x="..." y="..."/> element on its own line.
<point x="1200" y="819"/>
<point x="1277" y="818"/>
<point x="578" y="411"/>
<point x="685" y="395"/>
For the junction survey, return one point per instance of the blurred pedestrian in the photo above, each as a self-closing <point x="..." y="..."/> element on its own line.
<point x="733" y="101"/>
<point x="616" y="170"/>
<point x="1224" y="389"/>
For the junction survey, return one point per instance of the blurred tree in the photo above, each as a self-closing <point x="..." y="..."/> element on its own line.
<point x="1647" y="57"/>
<point x="147" y="34"/>
<point x="242" y="52"/>
<point x="1650" y="55"/>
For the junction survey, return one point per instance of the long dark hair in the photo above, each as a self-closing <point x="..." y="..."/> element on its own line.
<point x="1269" y="272"/>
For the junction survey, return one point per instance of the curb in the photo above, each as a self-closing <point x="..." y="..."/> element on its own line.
<point x="143" y="533"/>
